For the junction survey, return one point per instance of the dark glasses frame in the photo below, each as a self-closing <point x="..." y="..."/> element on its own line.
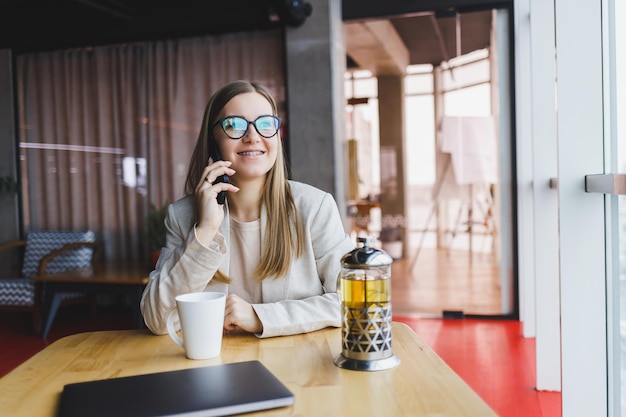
<point x="277" y="122"/>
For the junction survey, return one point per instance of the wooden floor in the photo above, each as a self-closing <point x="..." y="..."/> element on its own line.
<point x="442" y="280"/>
<point x="464" y="276"/>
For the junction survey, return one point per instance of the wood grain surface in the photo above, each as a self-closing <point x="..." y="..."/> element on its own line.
<point x="422" y="385"/>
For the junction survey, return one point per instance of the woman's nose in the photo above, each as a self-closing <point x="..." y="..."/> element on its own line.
<point x="251" y="134"/>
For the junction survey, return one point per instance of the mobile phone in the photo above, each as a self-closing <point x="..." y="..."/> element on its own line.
<point x="214" y="153"/>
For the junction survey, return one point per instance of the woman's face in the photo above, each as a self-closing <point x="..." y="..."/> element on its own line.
<point x="252" y="156"/>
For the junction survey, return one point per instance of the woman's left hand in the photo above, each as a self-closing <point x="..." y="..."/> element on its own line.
<point x="239" y="313"/>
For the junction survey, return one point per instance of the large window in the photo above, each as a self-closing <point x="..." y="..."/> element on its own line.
<point x="465" y="88"/>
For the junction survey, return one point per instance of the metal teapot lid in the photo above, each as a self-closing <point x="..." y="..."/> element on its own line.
<point x="366" y="256"/>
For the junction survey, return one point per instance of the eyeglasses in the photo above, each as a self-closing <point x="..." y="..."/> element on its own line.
<point x="236" y="127"/>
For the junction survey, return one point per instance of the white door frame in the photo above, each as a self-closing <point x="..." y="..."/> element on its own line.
<point x="537" y="196"/>
<point x="581" y="215"/>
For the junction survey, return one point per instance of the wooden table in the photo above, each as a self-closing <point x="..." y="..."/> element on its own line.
<point x="110" y="277"/>
<point x="422" y="385"/>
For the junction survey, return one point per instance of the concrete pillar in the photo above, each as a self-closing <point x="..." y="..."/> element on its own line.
<point x="316" y="63"/>
<point x="10" y="224"/>
<point x="392" y="163"/>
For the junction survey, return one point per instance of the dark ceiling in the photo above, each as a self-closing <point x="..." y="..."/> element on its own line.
<point x="36" y="25"/>
<point x="40" y="25"/>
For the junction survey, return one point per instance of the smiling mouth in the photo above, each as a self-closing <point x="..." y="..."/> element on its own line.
<point x="253" y="153"/>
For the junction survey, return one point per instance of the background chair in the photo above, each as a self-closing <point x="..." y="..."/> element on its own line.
<point x="45" y="252"/>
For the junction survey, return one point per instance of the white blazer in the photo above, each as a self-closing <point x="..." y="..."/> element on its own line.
<point x="303" y="300"/>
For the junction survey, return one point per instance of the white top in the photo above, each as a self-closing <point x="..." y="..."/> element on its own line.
<point x="245" y="255"/>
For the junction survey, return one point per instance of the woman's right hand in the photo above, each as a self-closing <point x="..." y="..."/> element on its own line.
<point x="210" y="213"/>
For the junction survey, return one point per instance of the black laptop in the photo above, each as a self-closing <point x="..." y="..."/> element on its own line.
<point x="218" y="390"/>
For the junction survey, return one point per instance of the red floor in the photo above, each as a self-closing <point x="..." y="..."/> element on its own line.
<point x="490" y="355"/>
<point x="494" y="359"/>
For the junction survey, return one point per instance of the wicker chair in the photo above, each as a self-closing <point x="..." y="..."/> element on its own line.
<point x="45" y="252"/>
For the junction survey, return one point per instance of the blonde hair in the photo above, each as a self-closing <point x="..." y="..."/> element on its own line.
<point x="280" y="246"/>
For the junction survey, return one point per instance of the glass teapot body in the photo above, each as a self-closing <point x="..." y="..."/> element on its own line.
<point x="365" y="296"/>
<point x="366" y="319"/>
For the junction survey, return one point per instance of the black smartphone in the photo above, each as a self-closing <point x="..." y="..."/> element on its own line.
<point x="214" y="153"/>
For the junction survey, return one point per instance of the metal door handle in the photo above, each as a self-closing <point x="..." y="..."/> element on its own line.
<point x="554" y="183"/>
<point x="606" y="183"/>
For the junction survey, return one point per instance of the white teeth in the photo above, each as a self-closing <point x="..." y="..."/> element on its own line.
<point x="251" y="153"/>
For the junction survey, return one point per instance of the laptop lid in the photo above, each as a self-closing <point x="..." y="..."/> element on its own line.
<point x="218" y="390"/>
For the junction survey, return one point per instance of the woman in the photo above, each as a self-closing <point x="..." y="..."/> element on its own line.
<point x="274" y="247"/>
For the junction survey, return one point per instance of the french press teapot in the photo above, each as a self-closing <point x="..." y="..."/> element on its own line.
<point x="365" y="295"/>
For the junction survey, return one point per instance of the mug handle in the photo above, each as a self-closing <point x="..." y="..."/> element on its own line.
<point x="172" y="331"/>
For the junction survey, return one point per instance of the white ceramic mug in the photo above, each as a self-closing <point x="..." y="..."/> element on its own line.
<point x="201" y="321"/>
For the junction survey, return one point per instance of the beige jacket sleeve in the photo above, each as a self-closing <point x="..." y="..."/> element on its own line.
<point x="184" y="266"/>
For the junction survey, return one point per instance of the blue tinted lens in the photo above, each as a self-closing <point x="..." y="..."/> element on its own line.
<point x="266" y="125"/>
<point x="235" y="126"/>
